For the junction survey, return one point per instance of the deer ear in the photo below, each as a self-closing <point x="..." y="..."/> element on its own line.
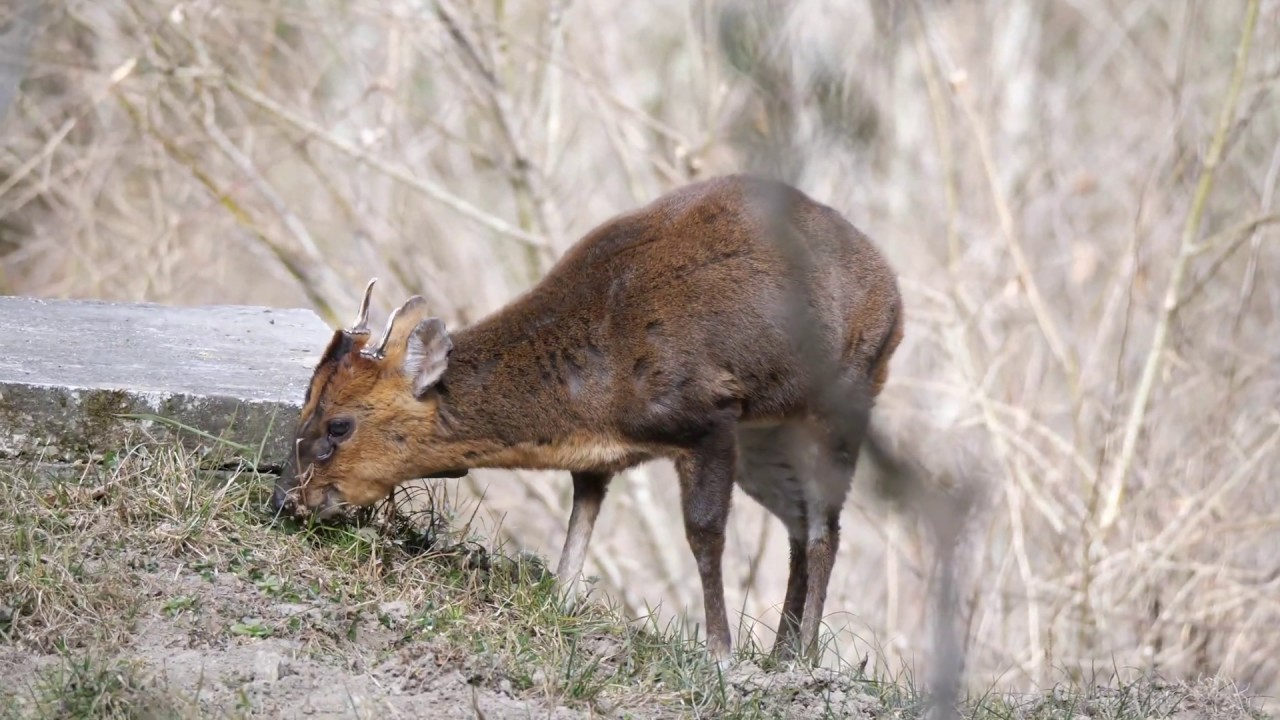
<point x="427" y="354"/>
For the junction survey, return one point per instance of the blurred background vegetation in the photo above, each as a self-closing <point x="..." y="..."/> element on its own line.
<point x="1079" y="196"/>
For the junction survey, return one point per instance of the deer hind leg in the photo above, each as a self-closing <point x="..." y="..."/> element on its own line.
<point x="767" y="474"/>
<point x="706" y="475"/>
<point x="588" y="496"/>
<point x="826" y="466"/>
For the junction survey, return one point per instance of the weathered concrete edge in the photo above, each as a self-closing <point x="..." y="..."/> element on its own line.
<point x="55" y="423"/>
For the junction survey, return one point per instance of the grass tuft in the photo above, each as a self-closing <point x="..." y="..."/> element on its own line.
<point x="109" y="577"/>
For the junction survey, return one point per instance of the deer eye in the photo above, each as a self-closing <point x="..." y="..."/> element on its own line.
<point x="339" y="428"/>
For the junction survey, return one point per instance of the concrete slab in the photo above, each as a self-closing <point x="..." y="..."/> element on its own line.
<point x="69" y="370"/>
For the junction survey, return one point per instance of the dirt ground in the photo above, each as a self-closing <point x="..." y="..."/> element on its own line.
<point x="152" y="588"/>
<point x="201" y="656"/>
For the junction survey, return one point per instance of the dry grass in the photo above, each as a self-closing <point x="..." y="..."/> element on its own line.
<point x="1080" y="196"/>
<point x="91" y="561"/>
<point x="112" y="575"/>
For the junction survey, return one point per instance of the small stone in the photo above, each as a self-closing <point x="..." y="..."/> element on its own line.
<point x="506" y="688"/>
<point x="397" y="610"/>
<point x="268" y="667"/>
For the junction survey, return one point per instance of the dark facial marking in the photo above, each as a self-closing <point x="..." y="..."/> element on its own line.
<point x="338" y="347"/>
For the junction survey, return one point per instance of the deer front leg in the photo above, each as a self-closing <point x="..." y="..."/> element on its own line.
<point x="588" y="495"/>
<point x="706" y="488"/>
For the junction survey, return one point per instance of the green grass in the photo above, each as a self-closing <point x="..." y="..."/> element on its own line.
<point x="154" y="535"/>
<point x="88" y="686"/>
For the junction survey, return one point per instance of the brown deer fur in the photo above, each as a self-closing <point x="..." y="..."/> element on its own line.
<point x="664" y="333"/>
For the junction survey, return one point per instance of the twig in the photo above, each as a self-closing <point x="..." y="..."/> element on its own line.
<point x="941" y="128"/>
<point x="1039" y="308"/>
<point x="1013" y="501"/>
<point x="426" y="187"/>
<point x="123" y="71"/>
<point x="553" y="77"/>
<point x="242" y="216"/>
<point x="19" y="26"/>
<point x="321" y="271"/>
<point x="639" y="483"/>
<point x="1186" y="249"/>
<point x="1234" y="237"/>
<point x="526" y="177"/>
<point x="642" y="118"/>
<point x="1251" y="269"/>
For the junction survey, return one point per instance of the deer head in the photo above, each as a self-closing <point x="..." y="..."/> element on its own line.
<point x="369" y="414"/>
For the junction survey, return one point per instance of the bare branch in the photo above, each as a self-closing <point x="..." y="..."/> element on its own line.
<point x="1138" y="409"/>
<point x="421" y="185"/>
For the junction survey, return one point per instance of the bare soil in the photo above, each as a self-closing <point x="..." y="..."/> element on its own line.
<point x="203" y="655"/>
<point x="152" y="588"/>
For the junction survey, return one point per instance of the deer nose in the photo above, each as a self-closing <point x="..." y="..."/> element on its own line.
<point x="281" y="503"/>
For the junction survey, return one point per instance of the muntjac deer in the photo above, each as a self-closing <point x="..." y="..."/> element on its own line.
<point x="668" y="332"/>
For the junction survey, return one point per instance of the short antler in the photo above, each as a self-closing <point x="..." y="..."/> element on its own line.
<point x="361" y="325"/>
<point x="380" y="351"/>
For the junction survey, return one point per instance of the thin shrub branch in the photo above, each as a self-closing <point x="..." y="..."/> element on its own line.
<point x="422" y="185"/>
<point x="1118" y="477"/>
